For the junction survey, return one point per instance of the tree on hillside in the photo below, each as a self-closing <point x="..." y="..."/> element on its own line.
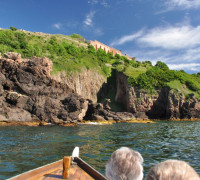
<point x="162" y="66"/>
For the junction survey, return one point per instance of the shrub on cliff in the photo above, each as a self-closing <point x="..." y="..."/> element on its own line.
<point x="160" y="75"/>
<point x="192" y="85"/>
<point x="91" y="50"/>
<point x="162" y="66"/>
<point x="13" y="28"/>
<point x="73" y="50"/>
<point x="102" y="56"/>
<point x="78" y="37"/>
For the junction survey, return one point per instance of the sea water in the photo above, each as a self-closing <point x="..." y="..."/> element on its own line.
<point x="25" y="148"/>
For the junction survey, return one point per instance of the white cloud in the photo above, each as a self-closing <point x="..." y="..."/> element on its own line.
<point x="187" y="60"/>
<point x="182" y="4"/>
<point x="127" y="38"/>
<point x="93" y="2"/>
<point x="169" y="37"/>
<point x="104" y="3"/>
<point x="186" y="67"/>
<point x="57" y="25"/>
<point x="191" y="55"/>
<point x="89" y="24"/>
<point x="178" y="46"/>
<point x="89" y="18"/>
<point x="172" y="37"/>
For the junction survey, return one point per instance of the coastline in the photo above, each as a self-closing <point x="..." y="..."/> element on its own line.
<point x="95" y="122"/>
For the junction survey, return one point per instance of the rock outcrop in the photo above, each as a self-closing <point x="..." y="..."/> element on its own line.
<point x="12" y="55"/>
<point x="97" y="111"/>
<point x="28" y="93"/>
<point x="163" y="104"/>
<point x="86" y="83"/>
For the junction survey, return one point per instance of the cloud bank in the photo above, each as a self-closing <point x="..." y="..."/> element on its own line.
<point x="182" y="4"/>
<point x="179" y="37"/>
<point x="178" y="46"/>
<point x="172" y="37"/>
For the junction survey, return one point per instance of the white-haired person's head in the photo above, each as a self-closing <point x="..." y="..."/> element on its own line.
<point x="172" y="170"/>
<point x="125" y="164"/>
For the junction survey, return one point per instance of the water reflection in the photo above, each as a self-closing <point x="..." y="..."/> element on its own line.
<point x="24" y="148"/>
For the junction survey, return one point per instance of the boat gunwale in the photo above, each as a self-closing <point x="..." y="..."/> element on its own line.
<point x="81" y="163"/>
<point x="38" y="168"/>
<point x="89" y="169"/>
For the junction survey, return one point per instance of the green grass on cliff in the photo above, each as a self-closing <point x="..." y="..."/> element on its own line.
<point x="160" y="75"/>
<point x="68" y="53"/>
<point x="179" y="87"/>
<point x="72" y="54"/>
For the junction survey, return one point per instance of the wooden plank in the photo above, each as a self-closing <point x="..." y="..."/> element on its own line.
<point x="35" y="172"/>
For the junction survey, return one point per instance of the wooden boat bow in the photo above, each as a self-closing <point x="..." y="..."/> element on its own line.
<point x="71" y="168"/>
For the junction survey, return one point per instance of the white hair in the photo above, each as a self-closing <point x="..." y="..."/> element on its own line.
<point x="172" y="170"/>
<point x="125" y="164"/>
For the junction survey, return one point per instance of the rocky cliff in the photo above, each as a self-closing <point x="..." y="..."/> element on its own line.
<point x="86" y="83"/>
<point x="28" y="93"/>
<point x="163" y="104"/>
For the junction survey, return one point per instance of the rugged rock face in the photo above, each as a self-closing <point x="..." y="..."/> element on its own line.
<point x="99" y="112"/>
<point x="28" y="93"/>
<point x="87" y="83"/>
<point x="164" y="104"/>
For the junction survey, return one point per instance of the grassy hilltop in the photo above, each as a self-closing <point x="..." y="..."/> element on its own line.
<point x="73" y="53"/>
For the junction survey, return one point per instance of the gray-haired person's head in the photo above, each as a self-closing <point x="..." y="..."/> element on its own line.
<point x="172" y="170"/>
<point x="125" y="164"/>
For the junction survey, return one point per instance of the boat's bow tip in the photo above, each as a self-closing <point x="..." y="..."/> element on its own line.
<point x="75" y="152"/>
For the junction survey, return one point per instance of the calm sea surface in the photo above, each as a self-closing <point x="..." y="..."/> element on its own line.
<point x="25" y="148"/>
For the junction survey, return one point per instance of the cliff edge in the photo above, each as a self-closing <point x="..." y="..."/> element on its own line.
<point x="164" y="103"/>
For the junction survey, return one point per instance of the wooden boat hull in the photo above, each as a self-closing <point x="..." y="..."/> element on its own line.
<point x="79" y="169"/>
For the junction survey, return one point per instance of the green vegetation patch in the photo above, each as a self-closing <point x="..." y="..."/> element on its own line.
<point x="66" y="52"/>
<point x="134" y="72"/>
<point x="160" y="75"/>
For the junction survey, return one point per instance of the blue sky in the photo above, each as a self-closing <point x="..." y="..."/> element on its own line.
<point x="155" y="30"/>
